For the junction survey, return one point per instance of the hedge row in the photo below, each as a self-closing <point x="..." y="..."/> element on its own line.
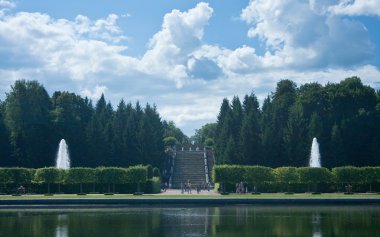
<point x="78" y="176"/>
<point x="300" y="179"/>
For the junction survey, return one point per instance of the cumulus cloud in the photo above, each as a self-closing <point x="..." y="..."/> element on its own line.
<point x="169" y="49"/>
<point x="301" y="34"/>
<point x="356" y="7"/>
<point x="187" y="78"/>
<point x="5" y="6"/>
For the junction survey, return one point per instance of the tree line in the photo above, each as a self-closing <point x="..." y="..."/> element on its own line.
<point x="32" y="123"/>
<point x="344" y="117"/>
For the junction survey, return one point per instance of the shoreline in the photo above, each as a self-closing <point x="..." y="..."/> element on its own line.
<point x="109" y="202"/>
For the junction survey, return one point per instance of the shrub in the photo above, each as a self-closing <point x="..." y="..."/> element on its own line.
<point x="314" y="176"/>
<point x="156" y="172"/>
<point x="286" y="176"/>
<point x="47" y="175"/>
<point x="370" y="175"/>
<point x="257" y="175"/>
<point x="170" y="141"/>
<point x="79" y="175"/>
<point x="153" y="185"/>
<point x="149" y="170"/>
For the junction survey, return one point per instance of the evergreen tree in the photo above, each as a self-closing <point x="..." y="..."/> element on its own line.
<point x="250" y="135"/>
<point x="223" y="133"/>
<point x="27" y="117"/>
<point x="5" y="148"/>
<point x="70" y="116"/>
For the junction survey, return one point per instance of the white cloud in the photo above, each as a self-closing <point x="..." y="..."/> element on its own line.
<point x="169" y="49"/>
<point x="301" y="34"/>
<point x="356" y="7"/>
<point x="95" y="93"/>
<point x="186" y="77"/>
<point x="5" y="6"/>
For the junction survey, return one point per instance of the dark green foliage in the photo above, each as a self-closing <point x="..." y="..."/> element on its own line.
<point x="256" y="175"/>
<point x="207" y="131"/>
<point x="149" y="170"/>
<point x="136" y="174"/>
<point x="47" y="175"/>
<point x="347" y="174"/>
<point x="170" y="130"/>
<point x="32" y="124"/>
<point x="228" y="174"/>
<point x="314" y="175"/>
<point x="27" y="117"/>
<point x="153" y="185"/>
<point x="156" y="172"/>
<point x="344" y="117"/>
<point x="210" y="142"/>
<point x="286" y="175"/>
<point x="170" y="141"/>
<point x="370" y="175"/>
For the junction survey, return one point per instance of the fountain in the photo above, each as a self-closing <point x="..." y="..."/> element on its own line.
<point x="315" y="157"/>
<point x="63" y="159"/>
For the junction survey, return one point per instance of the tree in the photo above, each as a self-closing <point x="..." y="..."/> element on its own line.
<point x="111" y="175"/>
<point x="5" y="178"/>
<point x="347" y="175"/>
<point x="370" y="175"/>
<point x="170" y="141"/>
<point x="286" y="175"/>
<point x="70" y="116"/>
<point x="170" y="130"/>
<point x="98" y="142"/>
<point x="250" y="134"/>
<point x="207" y="131"/>
<point x="150" y="138"/>
<point x="47" y="175"/>
<point x="79" y="175"/>
<point x="257" y="175"/>
<point x="5" y="151"/>
<point x="314" y="176"/>
<point x="223" y="131"/>
<point x="27" y="117"/>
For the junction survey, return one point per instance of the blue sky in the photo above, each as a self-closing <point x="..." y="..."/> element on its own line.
<point x="186" y="56"/>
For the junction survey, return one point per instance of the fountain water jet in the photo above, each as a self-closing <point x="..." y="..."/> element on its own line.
<point x="315" y="156"/>
<point x="63" y="158"/>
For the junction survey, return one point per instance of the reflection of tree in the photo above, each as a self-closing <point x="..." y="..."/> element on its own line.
<point x="265" y="221"/>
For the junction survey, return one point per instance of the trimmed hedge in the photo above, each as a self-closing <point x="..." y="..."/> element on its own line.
<point x="124" y="180"/>
<point x="300" y="179"/>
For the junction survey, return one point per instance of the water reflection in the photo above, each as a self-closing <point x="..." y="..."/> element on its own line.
<point x="61" y="229"/>
<point x="316" y="222"/>
<point x="222" y="221"/>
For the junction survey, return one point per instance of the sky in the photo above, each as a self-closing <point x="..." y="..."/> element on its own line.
<point x="186" y="56"/>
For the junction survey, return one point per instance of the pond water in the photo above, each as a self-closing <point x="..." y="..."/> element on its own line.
<point x="237" y="220"/>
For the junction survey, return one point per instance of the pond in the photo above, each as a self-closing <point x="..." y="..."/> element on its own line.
<point x="236" y="220"/>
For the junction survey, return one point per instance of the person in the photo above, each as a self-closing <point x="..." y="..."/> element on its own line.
<point x="21" y="189"/>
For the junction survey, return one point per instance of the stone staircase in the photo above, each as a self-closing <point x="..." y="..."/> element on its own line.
<point x="189" y="166"/>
